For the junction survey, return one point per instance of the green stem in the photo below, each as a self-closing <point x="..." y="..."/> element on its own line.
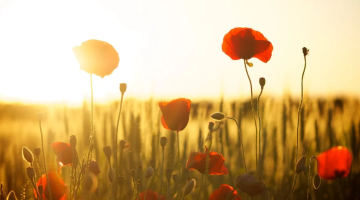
<point x="258" y="112"/>
<point x="116" y="145"/>
<point x="202" y="178"/>
<point x="179" y="162"/>
<point x="241" y="141"/>
<point x="252" y="109"/>
<point x="145" y="190"/>
<point x="42" y="146"/>
<point x="161" y="171"/>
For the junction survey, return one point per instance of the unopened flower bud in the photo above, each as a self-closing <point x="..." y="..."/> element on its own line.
<point x="123" y="87"/>
<point x="40" y="116"/>
<point x="149" y="172"/>
<point x="121" y="180"/>
<point x="30" y="172"/>
<point x="27" y="155"/>
<point x="300" y="165"/>
<point x="211" y="126"/>
<point x="107" y="152"/>
<point x="305" y="51"/>
<point x="73" y="141"/>
<point x="90" y="182"/>
<point x="132" y="173"/>
<point x="122" y="144"/>
<point x="40" y="189"/>
<point x="111" y="174"/>
<point x="168" y="174"/>
<point x="37" y="152"/>
<point x="262" y="82"/>
<point x="175" y="178"/>
<point x="218" y="116"/>
<point x="189" y="187"/>
<point x="11" y="195"/>
<point x="163" y="141"/>
<point x="94" y="167"/>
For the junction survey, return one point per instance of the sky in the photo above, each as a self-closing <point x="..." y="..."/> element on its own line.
<point x="170" y="49"/>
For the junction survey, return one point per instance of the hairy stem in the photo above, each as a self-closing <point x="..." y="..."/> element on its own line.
<point x="258" y="112"/>
<point x="42" y="146"/>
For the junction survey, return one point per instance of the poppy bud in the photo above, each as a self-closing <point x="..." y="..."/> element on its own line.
<point x="189" y="187"/>
<point x="163" y="141"/>
<point x="90" y="182"/>
<point x="111" y="174"/>
<point x="211" y="126"/>
<point x="94" y="167"/>
<point x="168" y="174"/>
<point x="121" y="180"/>
<point x="27" y="155"/>
<point x="122" y="144"/>
<point x="107" y="152"/>
<point x="132" y="173"/>
<point x="149" y="172"/>
<point x="139" y="171"/>
<point x="40" y="116"/>
<point x="37" y="152"/>
<point x="73" y="141"/>
<point x="175" y="178"/>
<point x="30" y="172"/>
<point x="305" y="51"/>
<point x="300" y="165"/>
<point x="123" y="87"/>
<point x="153" y="163"/>
<point x="40" y="189"/>
<point x="218" y="116"/>
<point x="11" y="196"/>
<point x="262" y="82"/>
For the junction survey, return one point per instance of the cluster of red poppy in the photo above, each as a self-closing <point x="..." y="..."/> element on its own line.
<point x="100" y="58"/>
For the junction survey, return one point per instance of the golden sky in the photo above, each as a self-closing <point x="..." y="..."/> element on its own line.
<point x="171" y="49"/>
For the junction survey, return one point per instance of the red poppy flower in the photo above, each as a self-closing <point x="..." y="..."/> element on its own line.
<point x="334" y="163"/>
<point x="63" y="152"/>
<point x="197" y="161"/>
<point x="97" y="57"/>
<point x="150" y="195"/>
<point x="245" y="43"/>
<point x="250" y="185"/>
<point x="57" y="187"/>
<point x="222" y="193"/>
<point x="175" y="114"/>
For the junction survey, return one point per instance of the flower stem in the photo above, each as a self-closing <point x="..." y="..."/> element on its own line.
<point x="202" y="178"/>
<point x="258" y="112"/>
<point x="178" y="144"/>
<point x="252" y="109"/>
<point x="42" y="146"/>
<point x="116" y="147"/>
<point x="161" y="171"/>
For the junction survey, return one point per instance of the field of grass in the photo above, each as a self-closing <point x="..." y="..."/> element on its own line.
<point x="324" y="123"/>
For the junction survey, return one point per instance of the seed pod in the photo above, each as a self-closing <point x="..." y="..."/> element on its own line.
<point x="168" y="174"/>
<point x="30" y="172"/>
<point x="94" y="167"/>
<point x="149" y="172"/>
<point x="305" y="51"/>
<point x="211" y="126"/>
<point x="107" y="152"/>
<point x="189" y="187"/>
<point x="123" y="87"/>
<point x="300" y="165"/>
<point x="122" y="144"/>
<point x="111" y="174"/>
<point x="37" y="152"/>
<point x="132" y="173"/>
<point x="40" y="116"/>
<point x="73" y="141"/>
<point x="163" y="141"/>
<point x="27" y="155"/>
<point x="218" y="116"/>
<point x="262" y="82"/>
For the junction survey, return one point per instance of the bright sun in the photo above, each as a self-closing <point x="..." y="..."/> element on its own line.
<point x="38" y="48"/>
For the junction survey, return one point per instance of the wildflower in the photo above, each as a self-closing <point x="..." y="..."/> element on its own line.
<point x="246" y="43"/>
<point x="197" y="161"/>
<point x="150" y="195"/>
<point x="57" y="187"/>
<point x="222" y="193"/>
<point x="175" y="114"/>
<point x="63" y="153"/>
<point x="97" y="57"/>
<point x="250" y="185"/>
<point x="189" y="187"/>
<point x="334" y="163"/>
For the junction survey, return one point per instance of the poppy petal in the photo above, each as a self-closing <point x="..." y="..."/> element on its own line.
<point x="59" y="147"/>
<point x="223" y="192"/>
<point x="334" y="163"/>
<point x="175" y="114"/>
